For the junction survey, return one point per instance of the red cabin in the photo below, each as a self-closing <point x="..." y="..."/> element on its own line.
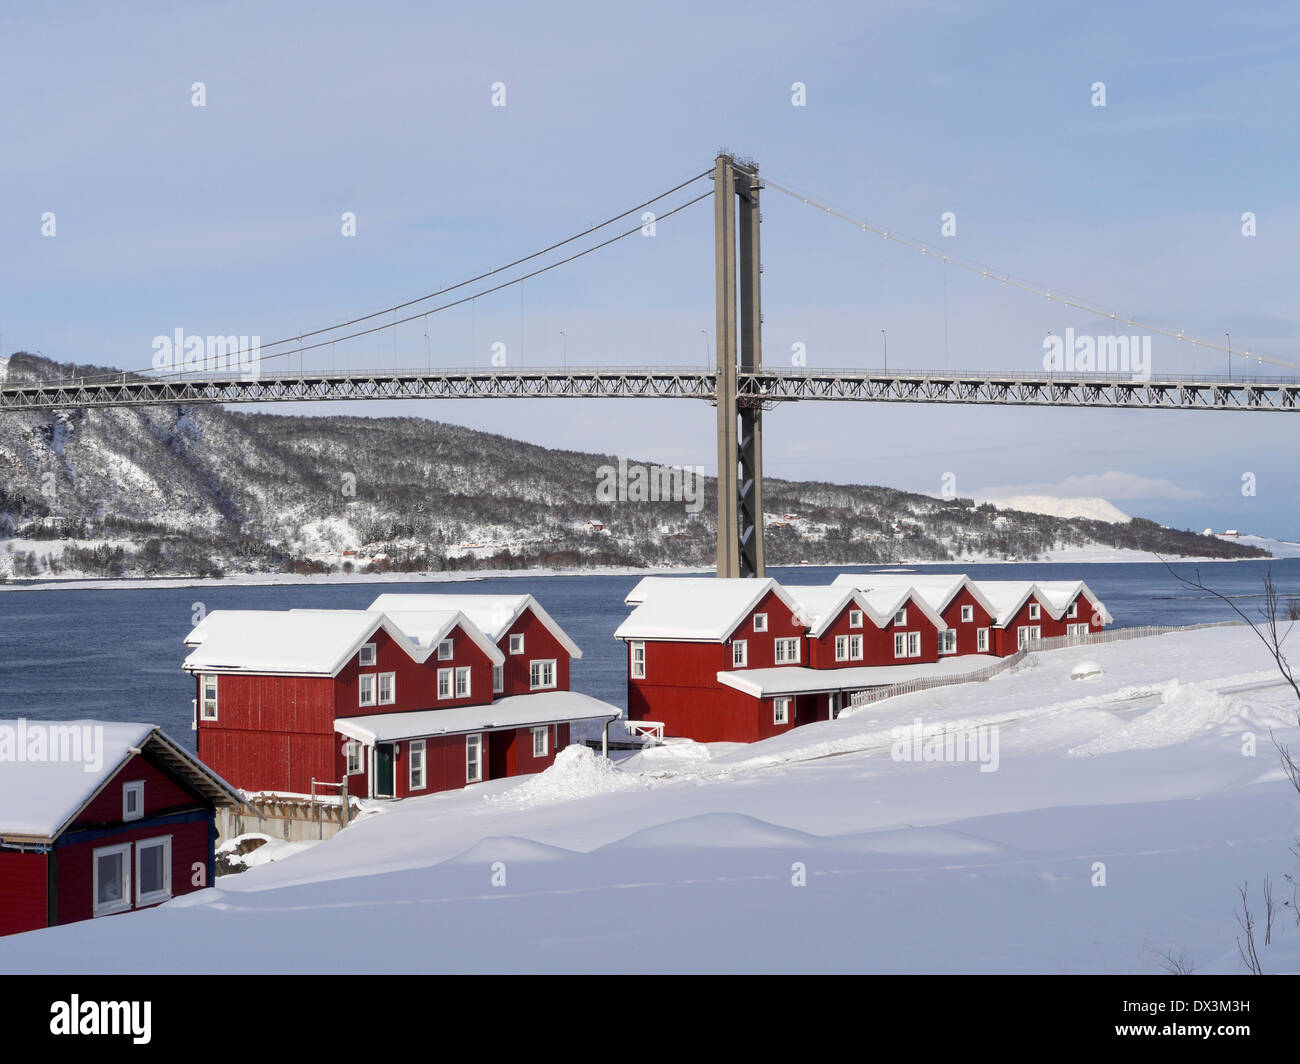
<point x="100" y="818"/>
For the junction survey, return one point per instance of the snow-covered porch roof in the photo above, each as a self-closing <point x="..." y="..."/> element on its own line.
<point x="516" y="711"/>
<point x="795" y="680"/>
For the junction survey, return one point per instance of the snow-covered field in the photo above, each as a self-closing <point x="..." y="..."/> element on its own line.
<point x="815" y="851"/>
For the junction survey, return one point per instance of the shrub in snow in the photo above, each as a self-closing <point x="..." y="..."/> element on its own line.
<point x="1085" y="669"/>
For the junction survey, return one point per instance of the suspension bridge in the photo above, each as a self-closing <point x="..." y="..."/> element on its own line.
<point x="739" y="385"/>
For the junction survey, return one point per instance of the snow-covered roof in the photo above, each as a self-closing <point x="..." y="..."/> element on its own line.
<point x="316" y="642"/>
<point x="819" y="605"/>
<point x="516" y="711"/>
<point x="1008" y="596"/>
<point x="796" y="680"/>
<point x="695" y="609"/>
<point x="1060" y="593"/>
<point x="936" y="589"/>
<point x="39" y="798"/>
<point x="493" y="614"/>
<point x="884" y="602"/>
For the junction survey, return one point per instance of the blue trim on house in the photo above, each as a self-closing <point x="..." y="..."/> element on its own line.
<point x="165" y="820"/>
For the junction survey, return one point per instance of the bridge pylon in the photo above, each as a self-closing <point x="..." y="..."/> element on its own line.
<point x="739" y="345"/>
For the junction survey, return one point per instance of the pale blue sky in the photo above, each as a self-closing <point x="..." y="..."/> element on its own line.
<point x="226" y="219"/>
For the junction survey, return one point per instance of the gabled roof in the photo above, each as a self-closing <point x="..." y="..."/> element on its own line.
<point x="316" y="642"/>
<point x="40" y="799"/>
<point x="937" y="589"/>
<point x="1060" y="593"/>
<point x="820" y="605"/>
<point x="696" y="609"/>
<point x="1008" y="596"/>
<point x="493" y="614"/>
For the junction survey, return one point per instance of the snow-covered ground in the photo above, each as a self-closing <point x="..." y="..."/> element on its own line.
<point x="688" y="857"/>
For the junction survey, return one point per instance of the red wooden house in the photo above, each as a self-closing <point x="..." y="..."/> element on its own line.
<point x="964" y="609"/>
<point x="407" y="700"/>
<point x="100" y="818"/>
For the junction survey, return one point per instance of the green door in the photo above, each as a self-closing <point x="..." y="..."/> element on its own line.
<point x="383" y="770"/>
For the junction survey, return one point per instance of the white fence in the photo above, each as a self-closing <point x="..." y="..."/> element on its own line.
<point x="876" y="694"/>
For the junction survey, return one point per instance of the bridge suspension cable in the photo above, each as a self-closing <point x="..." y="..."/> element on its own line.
<point x="1088" y="306"/>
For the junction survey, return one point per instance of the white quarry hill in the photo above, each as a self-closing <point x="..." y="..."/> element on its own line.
<point x="1120" y="822"/>
<point x="1094" y="509"/>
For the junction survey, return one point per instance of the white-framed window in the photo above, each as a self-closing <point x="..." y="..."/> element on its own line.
<point x="133" y="800"/>
<point x="1034" y="611"/>
<point x="366" y="689"/>
<point x="760" y="622"/>
<point x="739" y="653"/>
<point x="445" y="679"/>
<point x="541" y="742"/>
<point x="473" y="758"/>
<point x="855" y="618"/>
<point x="368" y="655"/>
<point x="111" y="873"/>
<point x="498" y="679"/>
<point x="352" y="755"/>
<point x="781" y="711"/>
<point x="841" y="648"/>
<point x="387" y="688"/>
<point x="446" y="649"/>
<point x="153" y="870"/>
<point x="787" y="651"/>
<point x="833" y="704"/>
<point x="638" y="661"/>
<point x="417" y="765"/>
<point x="900" y="644"/>
<point x="948" y="641"/>
<point x="901" y="616"/>
<point x="1027" y="634"/>
<point x="462" y="682"/>
<point x="1073" y="611"/>
<point x="541" y="674"/>
<point x="982" y="640"/>
<point x="208" y="697"/>
<point x="913" y="644"/>
<point x="517" y="643"/>
<point x="855" y="648"/>
<point x="967" y="614"/>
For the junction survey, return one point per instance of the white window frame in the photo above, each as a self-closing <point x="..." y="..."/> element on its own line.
<point x="446" y="650"/>
<point x="637" y="659"/>
<point x="517" y="643"/>
<point x="967" y="614"/>
<point x="1028" y="634"/>
<point x="366" y="685"/>
<point x="464" y="680"/>
<point x="417" y="774"/>
<point x="855" y="618"/>
<point x="498" y="679"/>
<point x="900" y="644"/>
<point x="367" y="655"/>
<point x="156" y="896"/>
<point x="760" y="622"/>
<point x="855" y="648"/>
<point x="135" y="787"/>
<point x="446" y="683"/>
<point x="833" y="705"/>
<point x="123" y="904"/>
<point x="790" y="647"/>
<point x="781" y="710"/>
<point x="204" y="702"/>
<point x="901" y="616"/>
<point x="391" y="677"/>
<point x="542" y="735"/>
<point x="948" y="641"/>
<point x="982" y="640"/>
<point x="913" y="644"/>
<point x="547" y="665"/>
<point x="475" y="743"/>
<point x="352" y="757"/>
<point x="841" y="648"/>
<point x="1035" y="612"/>
<point x="739" y="653"/>
<point x="1073" y="611"/>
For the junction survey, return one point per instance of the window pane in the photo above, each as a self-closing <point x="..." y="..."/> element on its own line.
<point x="110" y="878"/>
<point x="151" y="869"/>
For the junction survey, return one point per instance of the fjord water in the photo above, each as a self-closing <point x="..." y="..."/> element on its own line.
<point x="116" y="654"/>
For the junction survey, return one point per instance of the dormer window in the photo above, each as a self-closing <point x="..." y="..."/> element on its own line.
<point x="517" y="643"/>
<point x="901" y="616"/>
<point x="1034" y="611"/>
<point x="445" y="650"/>
<point x="1074" y="609"/>
<point x="855" y="618"/>
<point x="368" y="654"/>
<point x="133" y="800"/>
<point x="967" y="614"/>
<point x="760" y="622"/>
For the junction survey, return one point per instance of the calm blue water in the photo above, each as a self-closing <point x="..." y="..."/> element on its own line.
<point x="116" y="655"/>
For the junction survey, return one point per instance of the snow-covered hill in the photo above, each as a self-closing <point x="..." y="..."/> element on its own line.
<point x="1114" y="834"/>
<point x="1093" y="509"/>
